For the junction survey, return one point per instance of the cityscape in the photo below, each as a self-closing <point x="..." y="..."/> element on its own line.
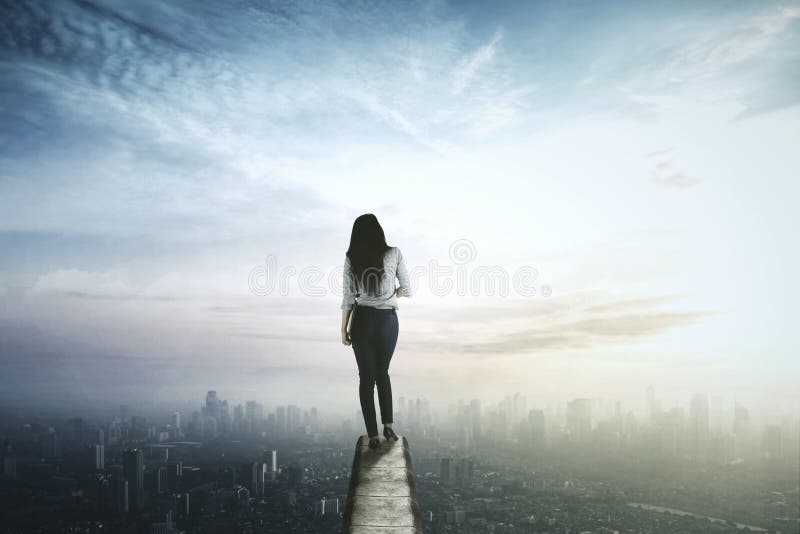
<point x="592" y="329"/>
<point x="587" y="465"/>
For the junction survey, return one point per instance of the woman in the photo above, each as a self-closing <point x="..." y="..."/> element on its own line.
<point x="370" y="269"/>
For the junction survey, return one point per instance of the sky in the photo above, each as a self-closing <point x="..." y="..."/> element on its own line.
<point x="629" y="169"/>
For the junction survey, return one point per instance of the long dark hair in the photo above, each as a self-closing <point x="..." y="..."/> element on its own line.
<point x="367" y="248"/>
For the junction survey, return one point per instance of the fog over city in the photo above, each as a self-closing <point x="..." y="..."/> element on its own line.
<point x="595" y="200"/>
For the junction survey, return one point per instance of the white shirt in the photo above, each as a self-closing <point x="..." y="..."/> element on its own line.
<point x="393" y="267"/>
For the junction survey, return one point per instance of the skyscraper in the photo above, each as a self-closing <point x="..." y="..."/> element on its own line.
<point x="447" y="470"/>
<point x="212" y="404"/>
<point x="699" y="426"/>
<point x="579" y="419"/>
<point x="475" y="418"/>
<point x="99" y="456"/>
<point x="281" y="418"/>
<point x="536" y="425"/>
<point x="271" y="459"/>
<point x="133" y="469"/>
<point x="293" y="417"/>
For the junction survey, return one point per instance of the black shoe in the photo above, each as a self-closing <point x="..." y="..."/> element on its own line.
<point x="389" y="434"/>
<point x="374" y="443"/>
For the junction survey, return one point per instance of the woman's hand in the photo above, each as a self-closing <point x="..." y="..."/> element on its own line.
<point x="345" y="318"/>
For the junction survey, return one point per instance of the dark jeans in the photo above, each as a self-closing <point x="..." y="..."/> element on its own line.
<point x="374" y="335"/>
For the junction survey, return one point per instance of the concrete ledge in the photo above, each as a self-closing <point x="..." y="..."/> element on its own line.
<point x="382" y="498"/>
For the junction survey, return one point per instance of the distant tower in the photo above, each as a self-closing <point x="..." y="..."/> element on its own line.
<point x="271" y="459"/>
<point x="699" y="426"/>
<point x="475" y="418"/>
<point x="293" y="417"/>
<point x="579" y="419"/>
<point x="536" y="425"/>
<point x="329" y="506"/>
<point x="257" y="478"/>
<point x="99" y="457"/>
<point x="182" y="504"/>
<point x="212" y="404"/>
<point x="446" y="470"/>
<point x="133" y="469"/>
<point x="650" y="401"/>
<point x="162" y="480"/>
<point x="281" y="418"/>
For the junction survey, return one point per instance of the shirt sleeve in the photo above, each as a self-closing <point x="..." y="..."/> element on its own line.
<point x="402" y="275"/>
<point x="348" y="290"/>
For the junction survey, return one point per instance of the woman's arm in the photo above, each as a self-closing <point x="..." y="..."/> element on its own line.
<point x="345" y="319"/>
<point x="348" y="299"/>
<point x="402" y="275"/>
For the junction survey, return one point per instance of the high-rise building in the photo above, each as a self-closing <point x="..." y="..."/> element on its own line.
<point x="253" y="411"/>
<point x="119" y="490"/>
<point x="99" y="456"/>
<point x="281" y="418"/>
<point x="519" y="406"/>
<point x="271" y="459"/>
<point x="579" y="419"/>
<point x="650" y="403"/>
<point x="773" y="440"/>
<point x="463" y="470"/>
<point x="257" y="471"/>
<point x="162" y="479"/>
<point x="536" y="426"/>
<point x="699" y="429"/>
<point x="182" y="504"/>
<point x="133" y="469"/>
<point x="293" y="417"/>
<point x="212" y="404"/>
<point x="447" y="470"/>
<point x="475" y="418"/>
<point x="326" y="506"/>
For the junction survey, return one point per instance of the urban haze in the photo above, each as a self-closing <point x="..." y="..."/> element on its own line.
<point x="595" y="201"/>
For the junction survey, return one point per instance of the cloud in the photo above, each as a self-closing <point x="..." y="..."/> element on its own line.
<point x="665" y="175"/>
<point x="464" y="74"/>
<point x="731" y="56"/>
<point x="749" y="40"/>
<point x="492" y="327"/>
<point x="590" y="322"/>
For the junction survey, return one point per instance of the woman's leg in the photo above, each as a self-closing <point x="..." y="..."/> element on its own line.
<point x="365" y="358"/>
<point x="385" y="342"/>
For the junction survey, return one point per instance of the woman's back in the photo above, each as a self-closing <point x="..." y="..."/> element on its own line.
<point x="394" y="268"/>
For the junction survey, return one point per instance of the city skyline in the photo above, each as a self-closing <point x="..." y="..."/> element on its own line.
<point x="246" y="468"/>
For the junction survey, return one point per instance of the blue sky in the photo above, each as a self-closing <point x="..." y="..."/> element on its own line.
<point x="639" y="156"/>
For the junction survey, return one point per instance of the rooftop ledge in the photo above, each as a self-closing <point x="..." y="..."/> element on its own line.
<point x="382" y="498"/>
